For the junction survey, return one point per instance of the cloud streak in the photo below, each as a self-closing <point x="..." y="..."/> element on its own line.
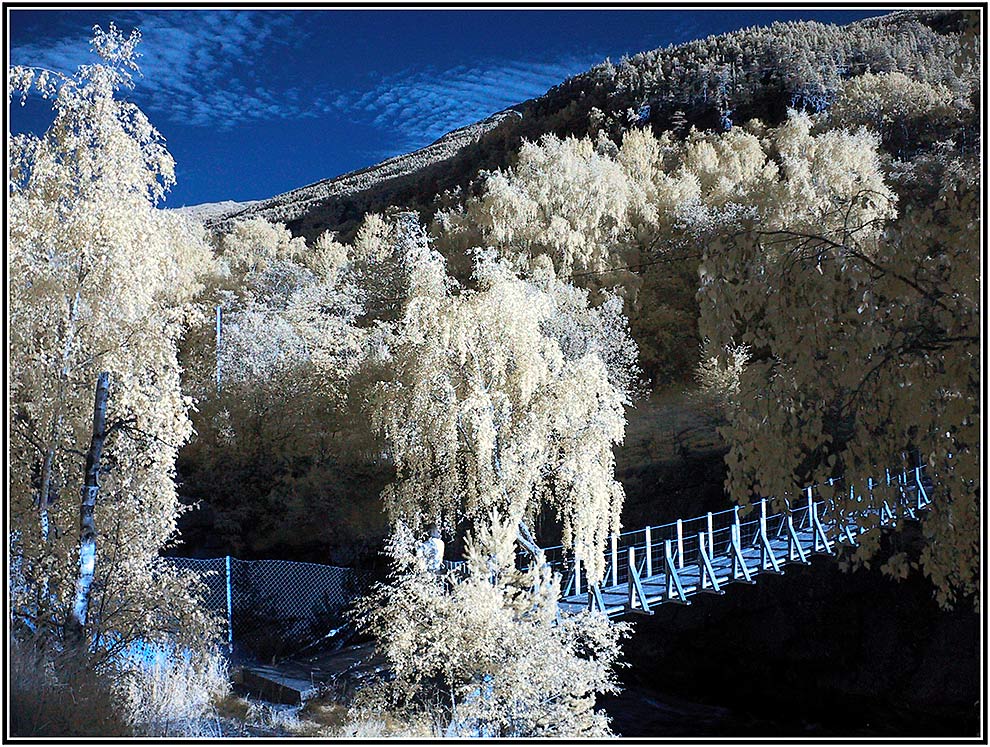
<point x="419" y="106"/>
<point x="211" y="69"/>
<point x="196" y="68"/>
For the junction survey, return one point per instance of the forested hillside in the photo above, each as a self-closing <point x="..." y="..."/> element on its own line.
<point x="710" y="83"/>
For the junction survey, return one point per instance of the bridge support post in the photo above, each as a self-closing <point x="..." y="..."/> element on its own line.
<point x="707" y="581"/>
<point x="637" y="596"/>
<point x="595" y="598"/>
<point x="850" y="535"/>
<point x="673" y="580"/>
<point x="922" y="493"/>
<point x="615" y="560"/>
<point x="768" y="561"/>
<point x="821" y="541"/>
<point x="739" y="566"/>
<point x="795" y="552"/>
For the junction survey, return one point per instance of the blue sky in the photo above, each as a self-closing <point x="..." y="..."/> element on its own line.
<point x="253" y="103"/>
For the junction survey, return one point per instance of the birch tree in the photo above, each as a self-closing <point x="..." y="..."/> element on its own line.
<point x="863" y="341"/>
<point x="99" y="280"/>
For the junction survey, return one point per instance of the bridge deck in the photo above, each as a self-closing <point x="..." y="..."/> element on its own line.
<point x="616" y="597"/>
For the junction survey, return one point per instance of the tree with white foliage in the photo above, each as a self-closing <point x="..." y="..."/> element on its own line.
<point x="276" y="442"/>
<point x="99" y="280"/>
<point x="507" y="395"/>
<point x="484" y="654"/>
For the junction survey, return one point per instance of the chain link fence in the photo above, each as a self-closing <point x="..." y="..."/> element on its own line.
<point x="276" y="608"/>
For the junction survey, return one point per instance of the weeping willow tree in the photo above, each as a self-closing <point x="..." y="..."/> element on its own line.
<point x="507" y="395"/>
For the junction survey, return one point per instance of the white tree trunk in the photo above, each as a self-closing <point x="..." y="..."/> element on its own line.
<point x="87" y="524"/>
<point x="44" y="495"/>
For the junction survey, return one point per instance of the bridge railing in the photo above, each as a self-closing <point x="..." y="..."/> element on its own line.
<point x="686" y="542"/>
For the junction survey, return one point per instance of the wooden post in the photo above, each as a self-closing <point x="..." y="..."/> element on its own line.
<point x="649" y="553"/>
<point x="680" y="544"/>
<point x="577" y="574"/>
<point x="87" y="524"/>
<point x="711" y="536"/>
<point x="615" y="560"/>
<point x="763" y="517"/>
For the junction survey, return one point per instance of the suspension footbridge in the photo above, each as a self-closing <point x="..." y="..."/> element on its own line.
<point x="674" y="562"/>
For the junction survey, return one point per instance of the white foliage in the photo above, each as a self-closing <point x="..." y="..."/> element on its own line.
<point x="483" y="655"/>
<point x="507" y="395"/>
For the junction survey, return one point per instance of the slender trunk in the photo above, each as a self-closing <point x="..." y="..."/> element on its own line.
<point x="44" y="495"/>
<point x="46" y="486"/>
<point x="87" y="524"/>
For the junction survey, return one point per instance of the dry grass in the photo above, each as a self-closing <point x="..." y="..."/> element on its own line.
<point x="173" y="693"/>
<point x="56" y="697"/>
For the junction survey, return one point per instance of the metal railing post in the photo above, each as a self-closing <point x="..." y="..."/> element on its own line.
<point x="615" y="560"/>
<point x="711" y="536"/>
<point x="680" y="544"/>
<point x="631" y="557"/>
<point x="649" y="553"/>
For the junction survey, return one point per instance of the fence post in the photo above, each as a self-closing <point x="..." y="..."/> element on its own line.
<point x="230" y="612"/>
<point x="649" y="554"/>
<point x="577" y="574"/>
<point x="711" y="537"/>
<point x="680" y="544"/>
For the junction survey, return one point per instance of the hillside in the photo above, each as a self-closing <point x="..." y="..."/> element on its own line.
<point x="709" y="83"/>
